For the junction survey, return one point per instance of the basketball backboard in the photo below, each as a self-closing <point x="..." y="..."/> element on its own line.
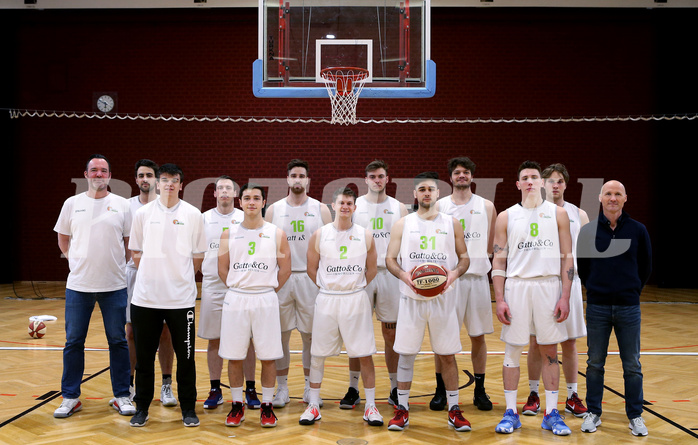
<point x="389" y="38"/>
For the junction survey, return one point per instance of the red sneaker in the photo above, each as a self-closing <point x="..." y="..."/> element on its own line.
<point x="575" y="406"/>
<point x="400" y="420"/>
<point x="456" y="419"/>
<point x="532" y="406"/>
<point x="267" y="416"/>
<point x="236" y="414"/>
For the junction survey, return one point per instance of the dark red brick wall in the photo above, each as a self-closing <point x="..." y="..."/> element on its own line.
<point x="491" y="63"/>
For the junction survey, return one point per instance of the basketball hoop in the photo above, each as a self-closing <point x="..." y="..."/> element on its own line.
<point x="344" y="85"/>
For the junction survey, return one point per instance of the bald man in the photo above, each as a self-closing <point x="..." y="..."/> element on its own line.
<point x="614" y="257"/>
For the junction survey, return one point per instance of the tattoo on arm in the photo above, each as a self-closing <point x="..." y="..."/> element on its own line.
<point x="498" y="249"/>
<point x="570" y="273"/>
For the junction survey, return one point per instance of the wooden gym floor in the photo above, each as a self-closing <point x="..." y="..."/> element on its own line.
<point x="31" y="372"/>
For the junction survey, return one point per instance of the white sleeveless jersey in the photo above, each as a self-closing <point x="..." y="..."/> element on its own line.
<point x="379" y="219"/>
<point x="474" y="219"/>
<point x="426" y="241"/>
<point x="253" y="264"/>
<point x="575" y="227"/>
<point x="342" y="267"/>
<point x="299" y="223"/>
<point x="215" y="223"/>
<point x="533" y="241"/>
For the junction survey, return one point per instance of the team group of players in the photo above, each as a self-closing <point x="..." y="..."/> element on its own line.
<point x="296" y="266"/>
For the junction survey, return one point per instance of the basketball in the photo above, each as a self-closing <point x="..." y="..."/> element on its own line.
<point x="37" y="329"/>
<point x="429" y="279"/>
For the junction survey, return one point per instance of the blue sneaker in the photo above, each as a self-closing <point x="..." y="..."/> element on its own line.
<point x="252" y="399"/>
<point x="215" y="398"/>
<point x="553" y="422"/>
<point x="509" y="423"/>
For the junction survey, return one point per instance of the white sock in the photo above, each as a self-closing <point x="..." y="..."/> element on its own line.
<point x="354" y="377"/>
<point x="510" y="399"/>
<point x="314" y="396"/>
<point x="550" y="401"/>
<point x="267" y="394"/>
<point x="571" y="389"/>
<point x="533" y="385"/>
<point x="282" y="381"/>
<point x="370" y="394"/>
<point x="403" y="398"/>
<point x="236" y="394"/>
<point x="452" y="398"/>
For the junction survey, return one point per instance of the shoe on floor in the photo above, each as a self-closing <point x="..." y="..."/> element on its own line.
<point x="553" y="422"/>
<point x="532" y="405"/>
<point x="438" y="402"/>
<point x="372" y="415"/>
<point x="139" y="419"/>
<point x="68" y="408"/>
<point x="510" y="422"/>
<point x="591" y="421"/>
<point x="252" y="399"/>
<point x="637" y="427"/>
<point x="267" y="418"/>
<point x="215" y="398"/>
<point x="281" y="398"/>
<point x="350" y="400"/>
<point x="124" y="406"/>
<point x="400" y="420"/>
<point x="190" y="418"/>
<point x="310" y="415"/>
<point x="166" y="396"/>
<point x="574" y="406"/>
<point x="392" y="398"/>
<point x="482" y="401"/>
<point x="456" y="419"/>
<point x="236" y="414"/>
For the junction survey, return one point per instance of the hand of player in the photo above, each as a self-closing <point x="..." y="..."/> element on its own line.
<point x="451" y="276"/>
<point x="407" y="278"/>
<point x="503" y="313"/>
<point x="562" y="310"/>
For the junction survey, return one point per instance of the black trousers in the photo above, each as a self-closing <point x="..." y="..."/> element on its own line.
<point x="147" y="328"/>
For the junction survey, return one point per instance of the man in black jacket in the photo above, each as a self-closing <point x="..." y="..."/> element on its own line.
<point x="614" y="262"/>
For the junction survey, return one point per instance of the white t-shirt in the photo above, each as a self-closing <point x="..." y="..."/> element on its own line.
<point x="533" y="240"/>
<point x="475" y="221"/>
<point x="379" y="219"/>
<point x="342" y="266"/>
<point x="97" y="255"/>
<point x="253" y="264"/>
<point x="426" y="241"/>
<point x="215" y="223"/>
<point x="167" y="238"/>
<point x="299" y="223"/>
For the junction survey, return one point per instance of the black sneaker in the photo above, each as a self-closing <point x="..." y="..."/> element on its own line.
<point x="140" y="418"/>
<point x="482" y="401"/>
<point x="392" y="399"/>
<point x="190" y="418"/>
<point x="438" y="402"/>
<point x="351" y="399"/>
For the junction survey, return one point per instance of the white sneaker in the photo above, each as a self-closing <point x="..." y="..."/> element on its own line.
<point x="306" y="396"/>
<point x="310" y="415"/>
<point x="591" y="421"/>
<point x="372" y="416"/>
<point x="281" y="398"/>
<point x="68" y="408"/>
<point x="637" y="427"/>
<point x="166" y="396"/>
<point x="124" y="406"/>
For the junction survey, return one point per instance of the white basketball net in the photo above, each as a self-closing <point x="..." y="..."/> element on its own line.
<point x="344" y="86"/>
